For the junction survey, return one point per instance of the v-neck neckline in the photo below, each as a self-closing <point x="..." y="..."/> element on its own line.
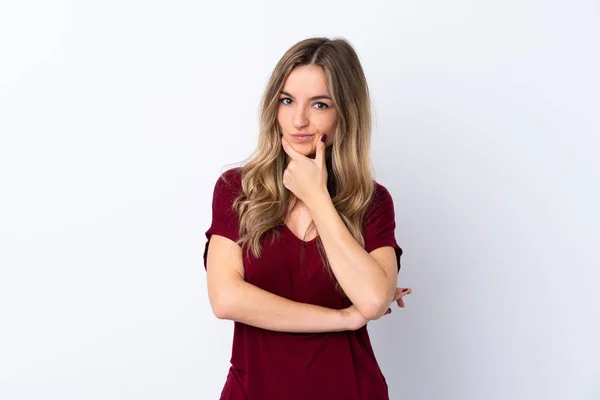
<point x="297" y="239"/>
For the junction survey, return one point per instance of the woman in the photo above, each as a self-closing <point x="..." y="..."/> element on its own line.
<point x="301" y="252"/>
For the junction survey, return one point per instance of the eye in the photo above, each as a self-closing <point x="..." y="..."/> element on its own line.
<point x="284" y="99"/>
<point x="325" y="106"/>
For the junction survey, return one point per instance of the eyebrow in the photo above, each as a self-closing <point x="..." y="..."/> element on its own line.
<point x="312" y="98"/>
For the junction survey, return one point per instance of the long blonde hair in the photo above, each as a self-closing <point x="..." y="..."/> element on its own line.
<point x="264" y="201"/>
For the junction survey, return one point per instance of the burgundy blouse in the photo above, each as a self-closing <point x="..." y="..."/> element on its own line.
<point x="270" y="365"/>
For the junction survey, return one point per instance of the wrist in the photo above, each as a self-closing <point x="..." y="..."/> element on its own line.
<point x="351" y="320"/>
<point x="345" y="322"/>
<point x="320" y="199"/>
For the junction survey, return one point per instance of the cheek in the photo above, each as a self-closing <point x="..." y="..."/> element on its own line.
<point x="330" y="122"/>
<point x="282" y="116"/>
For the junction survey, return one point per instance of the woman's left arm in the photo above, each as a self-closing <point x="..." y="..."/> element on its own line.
<point x="368" y="279"/>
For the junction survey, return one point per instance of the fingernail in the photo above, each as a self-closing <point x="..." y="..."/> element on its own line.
<point x="405" y="290"/>
<point x="323" y="138"/>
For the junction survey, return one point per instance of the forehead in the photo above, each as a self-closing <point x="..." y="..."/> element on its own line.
<point x="306" y="80"/>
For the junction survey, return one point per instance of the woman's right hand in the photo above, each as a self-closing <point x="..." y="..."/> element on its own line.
<point x="356" y="320"/>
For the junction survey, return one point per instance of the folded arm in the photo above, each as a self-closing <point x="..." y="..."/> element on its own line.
<point x="368" y="279"/>
<point x="232" y="298"/>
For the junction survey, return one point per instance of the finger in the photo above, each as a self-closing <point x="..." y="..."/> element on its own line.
<point x="401" y="303"/>
<point x="321" y="145"/>
<point x="287" y="147"/>
<point x="400" y="292"/>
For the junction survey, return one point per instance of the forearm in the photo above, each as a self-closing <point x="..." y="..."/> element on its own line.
<point x="363" y="279"/>
<point x="254" y="306"/>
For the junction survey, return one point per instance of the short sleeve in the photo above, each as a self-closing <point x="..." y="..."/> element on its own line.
<point x="225" y="221"/>
<point x="379" y="223"/>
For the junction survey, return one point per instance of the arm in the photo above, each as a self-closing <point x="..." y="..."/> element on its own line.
<point x="231" y="297"/>
<point x="368" y="279"/>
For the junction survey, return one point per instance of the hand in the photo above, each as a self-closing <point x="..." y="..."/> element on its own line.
<point x="400" y="293"/>
<point x="304" y="176"/>
<point x="398" y="298"/>
<point x="355" y="318"/>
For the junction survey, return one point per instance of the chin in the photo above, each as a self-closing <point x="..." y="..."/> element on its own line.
<point x="304" y="148"/>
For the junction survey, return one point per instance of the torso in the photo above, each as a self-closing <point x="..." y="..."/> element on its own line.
<point x="273" y="365"/>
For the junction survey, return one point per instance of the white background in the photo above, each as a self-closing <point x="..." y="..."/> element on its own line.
<point x="117" y="117"/>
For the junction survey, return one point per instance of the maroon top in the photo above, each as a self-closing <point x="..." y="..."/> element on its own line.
<point x="270" y="365"/>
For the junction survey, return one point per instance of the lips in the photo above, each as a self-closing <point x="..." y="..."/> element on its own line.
<point x="302" y="134"/>
<point x="303" y="137"/>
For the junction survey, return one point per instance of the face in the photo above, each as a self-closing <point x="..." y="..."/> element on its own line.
<point x="305" y="107"/>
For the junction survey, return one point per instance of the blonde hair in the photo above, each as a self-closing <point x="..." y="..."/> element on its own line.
<point x="264" y="201"/>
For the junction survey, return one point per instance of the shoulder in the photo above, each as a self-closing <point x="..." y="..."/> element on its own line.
<point x="381" y="193"/>
<point x="230" y="181"/>
<point x="381" y="201"/>
<point x="227" y="188"/>
<point x="232" y="176"/>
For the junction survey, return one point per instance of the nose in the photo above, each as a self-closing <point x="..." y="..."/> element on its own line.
<point x="300" y="119"/>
